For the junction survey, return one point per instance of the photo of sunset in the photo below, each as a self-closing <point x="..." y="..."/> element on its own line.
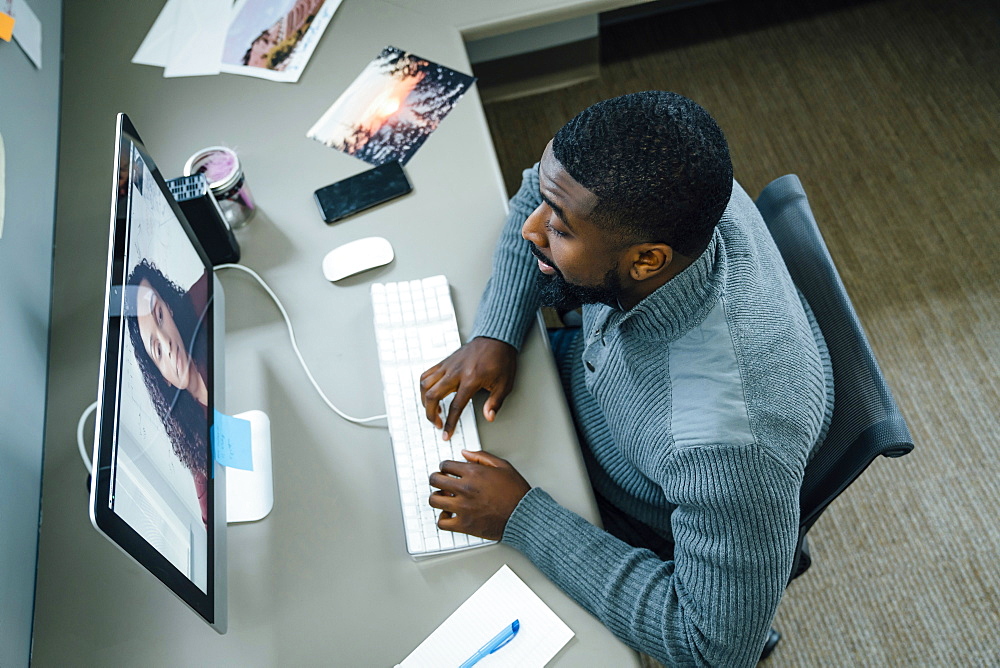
<point x="388" y="112"/>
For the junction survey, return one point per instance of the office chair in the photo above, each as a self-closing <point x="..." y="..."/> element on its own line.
<point x="866" y="422"/>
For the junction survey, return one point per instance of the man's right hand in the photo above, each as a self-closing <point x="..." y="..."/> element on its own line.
<point x="481" y="364"/>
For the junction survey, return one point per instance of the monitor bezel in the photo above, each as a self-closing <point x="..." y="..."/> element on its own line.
<point x="210" y="604"/>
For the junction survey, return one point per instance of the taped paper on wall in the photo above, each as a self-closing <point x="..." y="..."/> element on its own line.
<point x="6" y="24"/>
<point x="27" y="31"/>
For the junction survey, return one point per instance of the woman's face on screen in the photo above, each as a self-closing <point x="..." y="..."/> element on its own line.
<point x="161" y="338"/>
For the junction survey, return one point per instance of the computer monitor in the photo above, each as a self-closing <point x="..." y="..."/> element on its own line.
<point x="157" y="491"/>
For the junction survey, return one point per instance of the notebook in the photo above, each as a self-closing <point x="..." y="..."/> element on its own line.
<point x="501" y="600"/>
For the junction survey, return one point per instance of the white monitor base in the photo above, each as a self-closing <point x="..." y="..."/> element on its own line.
<point x="250" y="494"/>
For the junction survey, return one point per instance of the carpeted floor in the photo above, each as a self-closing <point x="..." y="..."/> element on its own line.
<point x="889" y="112"/>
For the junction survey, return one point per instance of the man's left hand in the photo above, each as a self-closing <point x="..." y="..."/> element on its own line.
<point x="477" y="496"/>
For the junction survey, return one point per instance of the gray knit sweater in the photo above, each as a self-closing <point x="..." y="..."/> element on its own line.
<point x="698" y="410"/>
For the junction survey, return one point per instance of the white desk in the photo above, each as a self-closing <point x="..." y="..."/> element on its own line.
<point x="324" y="580"/>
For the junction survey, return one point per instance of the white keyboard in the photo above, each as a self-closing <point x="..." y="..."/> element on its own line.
<point x="415" y="328"/>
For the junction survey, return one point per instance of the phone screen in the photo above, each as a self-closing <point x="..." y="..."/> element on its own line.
<point x="362" y="191"/>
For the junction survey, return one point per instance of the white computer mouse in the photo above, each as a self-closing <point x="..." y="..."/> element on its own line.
<point x="356" y="256"/>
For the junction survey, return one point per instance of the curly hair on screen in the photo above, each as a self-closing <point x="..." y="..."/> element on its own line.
<point x="658" y="164"/>
<point x="177" y="409"/>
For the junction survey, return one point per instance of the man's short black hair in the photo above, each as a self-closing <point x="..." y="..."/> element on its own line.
<point x="658" y="164"/>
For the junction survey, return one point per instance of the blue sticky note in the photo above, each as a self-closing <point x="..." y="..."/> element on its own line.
<point x="231" y="443"/>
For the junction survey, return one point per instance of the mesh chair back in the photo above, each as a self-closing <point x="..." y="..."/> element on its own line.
<point x="866" y="421"/>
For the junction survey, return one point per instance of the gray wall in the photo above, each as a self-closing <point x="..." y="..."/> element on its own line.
<point x="29" y="123"/>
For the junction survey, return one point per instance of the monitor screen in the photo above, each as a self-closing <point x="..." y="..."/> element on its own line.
<point x="157" y="492"/>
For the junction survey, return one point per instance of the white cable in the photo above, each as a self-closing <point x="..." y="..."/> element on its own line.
<point x="79" y="436"/>
<point x="295" y="346"/>
<point x="291" y="334"/>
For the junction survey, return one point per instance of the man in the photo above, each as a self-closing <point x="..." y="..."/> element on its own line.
<point x="699" y="383"/>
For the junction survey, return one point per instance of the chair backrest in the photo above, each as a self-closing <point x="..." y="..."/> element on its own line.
<point x="866" y="422"/>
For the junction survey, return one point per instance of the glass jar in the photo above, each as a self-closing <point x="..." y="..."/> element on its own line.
<point x="221" y="166"/>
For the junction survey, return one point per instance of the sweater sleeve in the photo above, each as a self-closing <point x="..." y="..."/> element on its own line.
<point x="510" y="301"/>
<point x="735" y="529"/>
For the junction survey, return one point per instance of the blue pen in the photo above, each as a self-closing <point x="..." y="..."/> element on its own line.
<point x="499" y="640"/>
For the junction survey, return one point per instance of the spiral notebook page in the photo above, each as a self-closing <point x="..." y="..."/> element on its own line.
<point x="501" y="600"/>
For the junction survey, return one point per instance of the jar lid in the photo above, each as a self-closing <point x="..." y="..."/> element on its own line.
<point x="219" y="164"/>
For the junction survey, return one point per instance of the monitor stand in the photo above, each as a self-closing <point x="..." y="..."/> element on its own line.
<point x="250" y="494"/>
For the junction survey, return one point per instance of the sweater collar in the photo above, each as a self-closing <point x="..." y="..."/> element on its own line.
<point x="684" y="301"/>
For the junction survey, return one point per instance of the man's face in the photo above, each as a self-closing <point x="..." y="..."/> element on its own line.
<point x="578" y="261"/>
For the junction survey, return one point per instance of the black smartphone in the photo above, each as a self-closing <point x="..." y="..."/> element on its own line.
<point x="362" y="191"/>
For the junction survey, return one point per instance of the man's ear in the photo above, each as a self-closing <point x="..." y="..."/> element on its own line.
<point x="649" y="260"/>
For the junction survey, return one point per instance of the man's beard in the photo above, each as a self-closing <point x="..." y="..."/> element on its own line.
<point x="558" y="293"/>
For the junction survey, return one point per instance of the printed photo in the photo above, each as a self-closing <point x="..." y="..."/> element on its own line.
<point x="396" y="102"/>
<point x="274" y="39"/>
